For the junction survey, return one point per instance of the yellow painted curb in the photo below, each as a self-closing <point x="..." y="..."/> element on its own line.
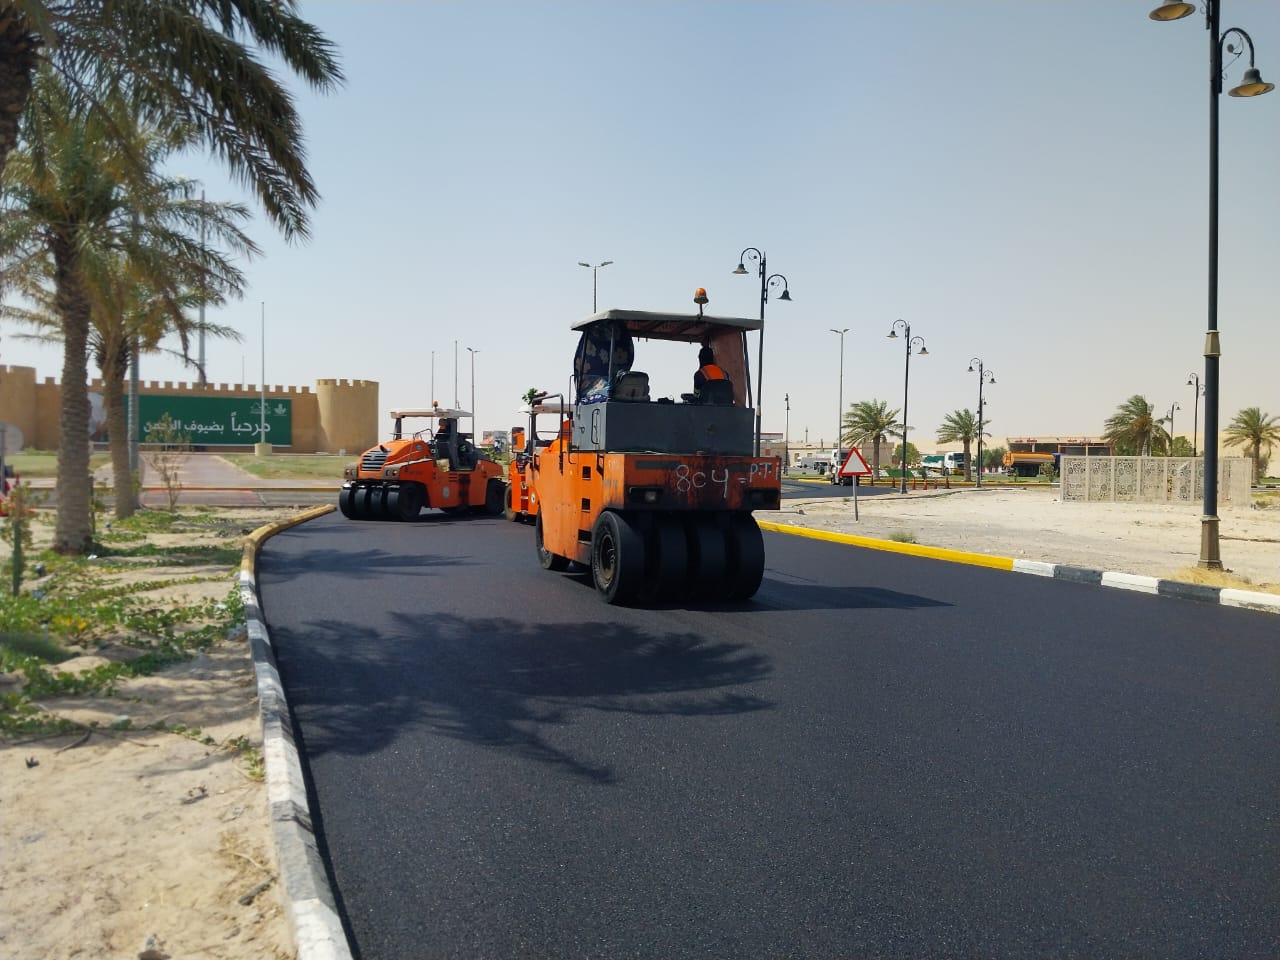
<point x="892" y="546"/>
<point x="254" y="540"/>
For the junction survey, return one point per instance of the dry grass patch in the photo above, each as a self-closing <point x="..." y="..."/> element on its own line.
<point x="1221" y="578"/>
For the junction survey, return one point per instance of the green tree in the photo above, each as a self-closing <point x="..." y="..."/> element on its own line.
<point x="913" y="454"/>
<point x="193" y="62"/>
<point x="961" y="426"/>
<point x="1135" y="429"/>
<point x="869" y="421"/>
<point x="993" y="457"/>
<point x="1181" y="447"/>
<point x="1256" y="432"/>
<point x="82" y="212"/>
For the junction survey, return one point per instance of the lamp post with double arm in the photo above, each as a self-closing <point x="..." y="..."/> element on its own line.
<point x="910" y="342"/>
<point x="593" y="267"/>
<point x="766" y="281"/>
<point x="1251" y="86"/>
<point x="985" y="376"/>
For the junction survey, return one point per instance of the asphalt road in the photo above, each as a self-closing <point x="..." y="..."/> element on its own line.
<point x="878" y="756"/>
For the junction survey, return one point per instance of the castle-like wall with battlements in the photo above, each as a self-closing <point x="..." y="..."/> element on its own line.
<point x="340" y="415"/>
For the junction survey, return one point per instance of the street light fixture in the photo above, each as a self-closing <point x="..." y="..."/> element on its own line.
<point x="985" y="376"/>
<point x="1176" y="406"/>
<point x="839" y="394"/>
<point x="1193" y="380"/>
<point x="1252" y="86"/>
<point x="473" y="351"/>
<point x="910" y="342"/>
<point x="593" y="268"/>
<point x="766" y="281"/>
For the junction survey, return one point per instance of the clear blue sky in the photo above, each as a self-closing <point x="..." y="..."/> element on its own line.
<point x="1021" y="181"/>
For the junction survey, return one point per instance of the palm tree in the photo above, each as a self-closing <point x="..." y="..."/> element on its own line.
<point x="1135" y="429"/>
<point x="1256" y="431"/>
<point x="78" y="206"/>
<point x="960" y="426"/>
<point x="192" y="62"/>
<point x="870" y="421"/>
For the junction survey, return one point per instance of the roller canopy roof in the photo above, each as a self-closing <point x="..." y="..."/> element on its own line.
<point x="442" y="412"/>
<point x="669" y="326"/>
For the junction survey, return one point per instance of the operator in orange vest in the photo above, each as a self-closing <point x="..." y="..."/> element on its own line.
<point x="708" y="370"/>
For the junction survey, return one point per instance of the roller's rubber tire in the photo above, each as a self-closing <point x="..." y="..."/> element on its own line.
<point x="547" y="559"/>
<point x="667" y="558"/>
<point x="508" y="511"/>
<point x="494" y="497"/>
<point x="346" y="498"/>
<point x="410" y="502"/>
<point x="710" y="564"/>
<point x="746" y="558"/>
<point x="617" y="558"/>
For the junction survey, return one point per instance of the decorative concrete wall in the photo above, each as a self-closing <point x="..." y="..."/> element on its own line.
<point x="340" y="414"/>
<point x="1154" y="479"/>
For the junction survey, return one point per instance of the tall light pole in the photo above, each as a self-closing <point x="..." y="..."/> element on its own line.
<point x="984" y="376"/>
<point x="455" y="374"/>
<point x="910" y="342"/>
<point x="593" y="268"/>
<point x="1193" y="380"/>
<point x="839" y="392"/>
<point x="1252" y="86"/>
<point x="473" y="351"/>
<point x="766" y="281"/>
<point x="1170" y="418"/>
<point x="786" y="434"/>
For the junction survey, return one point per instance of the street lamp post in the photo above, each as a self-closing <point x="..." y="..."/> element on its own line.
<point x="1171" y="409"/>
<point x="984" y="376"/>
<point x="839" y="392"/>
<point x="910" y="342"/>
<point x="473" y="351"/>
<point x="1193" y="381"/>
<point x="766" y="281"/>
<point x="786" y="435"/>
<point x="593" y="268"/>
<point x="1252" y="86"/>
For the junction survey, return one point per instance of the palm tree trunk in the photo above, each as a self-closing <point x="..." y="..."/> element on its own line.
<point x="115" y="364"/>
<point x="17" y="66"/>
<point x="72" y="531"/>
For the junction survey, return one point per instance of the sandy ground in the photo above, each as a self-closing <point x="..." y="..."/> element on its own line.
<point x="1031" y="524"/>
<point x="124" y="843"/>
<point x="120" y="841"/>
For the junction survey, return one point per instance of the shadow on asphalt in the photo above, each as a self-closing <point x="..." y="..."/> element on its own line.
<point x="503" y="683"/>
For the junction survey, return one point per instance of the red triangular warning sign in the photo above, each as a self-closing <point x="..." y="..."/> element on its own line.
<point x="855" y="465"/>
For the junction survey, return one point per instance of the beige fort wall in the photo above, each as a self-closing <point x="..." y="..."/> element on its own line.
<point x="339" y="415"/>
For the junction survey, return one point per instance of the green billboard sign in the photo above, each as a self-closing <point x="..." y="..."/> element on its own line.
<point x="212" y="421"/>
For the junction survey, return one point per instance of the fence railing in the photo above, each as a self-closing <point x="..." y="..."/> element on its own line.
<point x="1153" y="479"/>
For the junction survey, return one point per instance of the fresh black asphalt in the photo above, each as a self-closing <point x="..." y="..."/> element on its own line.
<point x="878" y="756"/>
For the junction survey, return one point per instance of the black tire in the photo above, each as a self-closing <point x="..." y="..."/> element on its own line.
<point x="617" y="558"/>
<point x="508" y="511"/>
<point x="363" y="504"/>
<point x="410" y="502"/>
<point x="668" y="558"/>
<point x="494" y="497"/>
<point x="746" y="557"/>
<point x="710" y="557"/>
<point x="346" y="501"/>
<point x="547" y="559"/>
